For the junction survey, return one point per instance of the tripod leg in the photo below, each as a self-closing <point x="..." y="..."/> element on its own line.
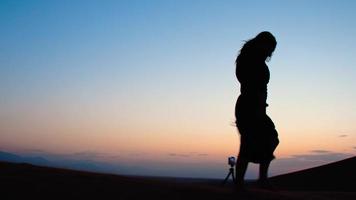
<point x="227" y="177"/>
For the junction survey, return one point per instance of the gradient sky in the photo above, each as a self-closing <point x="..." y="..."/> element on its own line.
<point x="151" y="83"/>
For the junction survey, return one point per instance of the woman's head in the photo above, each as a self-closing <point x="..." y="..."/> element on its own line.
<point x="259" y="47"/>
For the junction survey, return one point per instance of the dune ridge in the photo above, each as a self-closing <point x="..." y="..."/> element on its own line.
<point x="26" y="181"/>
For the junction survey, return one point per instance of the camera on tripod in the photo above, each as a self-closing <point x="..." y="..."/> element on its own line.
<point x="232" y="162"/>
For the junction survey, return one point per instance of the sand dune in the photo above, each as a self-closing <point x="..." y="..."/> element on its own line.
<point x="337" y="176"/>
<point x="24" y="181"/>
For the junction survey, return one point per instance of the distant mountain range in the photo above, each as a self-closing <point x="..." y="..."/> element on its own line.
<point x="76" y="164"/>
<point x="10" y="157"/>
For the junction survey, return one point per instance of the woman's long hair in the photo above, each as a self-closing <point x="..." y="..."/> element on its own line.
<point x="259" y="47"/>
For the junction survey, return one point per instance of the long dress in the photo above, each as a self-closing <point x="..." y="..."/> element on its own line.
<point x="258" y="136"/>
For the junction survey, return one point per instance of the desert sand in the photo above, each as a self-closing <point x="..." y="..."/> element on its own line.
<point x="25" y="181"/>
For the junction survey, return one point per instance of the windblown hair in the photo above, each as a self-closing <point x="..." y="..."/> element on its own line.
<point x="253" y="48"/>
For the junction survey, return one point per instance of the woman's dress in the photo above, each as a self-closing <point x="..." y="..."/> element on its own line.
<point x="259" y="137"/>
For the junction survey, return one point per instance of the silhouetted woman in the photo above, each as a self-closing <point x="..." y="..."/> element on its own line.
<point x="258" y="135"/>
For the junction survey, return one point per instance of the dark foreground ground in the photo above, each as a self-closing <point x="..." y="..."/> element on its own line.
<point x="24" y="181"/>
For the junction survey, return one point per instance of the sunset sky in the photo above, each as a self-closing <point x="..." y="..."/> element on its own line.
<point x="150" y="84"/>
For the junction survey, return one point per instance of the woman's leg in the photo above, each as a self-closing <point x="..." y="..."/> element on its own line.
<point x="263" y="177"/>
<point x="264" y="171"/>
<point x="241" y="167"/>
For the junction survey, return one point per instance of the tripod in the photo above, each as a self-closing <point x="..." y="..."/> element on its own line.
<point x="232" y="173"/>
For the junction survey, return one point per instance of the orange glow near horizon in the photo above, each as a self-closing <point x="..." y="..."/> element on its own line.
<point x="160" y="142"/>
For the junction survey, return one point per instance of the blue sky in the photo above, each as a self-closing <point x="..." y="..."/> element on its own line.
<point x="158" y="76"/>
